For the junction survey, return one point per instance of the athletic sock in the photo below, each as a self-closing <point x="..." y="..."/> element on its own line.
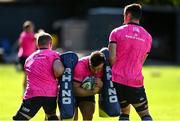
<point x="146" y="118"/>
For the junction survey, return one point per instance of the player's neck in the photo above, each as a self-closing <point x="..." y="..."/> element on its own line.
<point x="132" y="21"/>
<point x="43" y="47"/>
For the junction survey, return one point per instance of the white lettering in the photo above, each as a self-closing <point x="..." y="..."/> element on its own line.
<point x="108" y="72"/>
<point x="67" y="75"/>
<point x="25" y="109"/>
<point x="112" y="95"/>
<point x="112" y="91"/>
<point x="66" y="93"/>
<point x="111" y="84"/>
<point x="134" y="37"/>
<point x="66" y="85"/>
<point x="113" y="99"/>
<point x="66" y="100"/>
<point x="68" y="70"/>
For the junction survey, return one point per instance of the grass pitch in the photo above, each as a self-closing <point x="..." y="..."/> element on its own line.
<point x="162" y="84"/>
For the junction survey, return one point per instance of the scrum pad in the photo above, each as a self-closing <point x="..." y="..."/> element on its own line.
<point x="108" y="101"/>
<point x="66" y="99"/>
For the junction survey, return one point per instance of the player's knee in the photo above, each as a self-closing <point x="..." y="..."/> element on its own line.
<point x="19" y="116"/>
<point x="87" y="109"/>
<point x="146" y="118"/>
<point x="124" y="117"/>
<point x="124" y="104"/>
<point x="87" y="116"/>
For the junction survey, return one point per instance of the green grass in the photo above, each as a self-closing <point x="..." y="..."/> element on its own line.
<point x="162" y="85"/>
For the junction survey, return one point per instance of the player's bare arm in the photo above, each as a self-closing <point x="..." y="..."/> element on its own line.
<point x="79" y="91"/>
<point x="58" y="68"/>
<point x="112" y="53"/>
<point x="19" y="42"/>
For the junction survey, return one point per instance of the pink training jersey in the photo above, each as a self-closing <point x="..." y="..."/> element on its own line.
<point x="133" y="42"/>
<point x="40" y="77"/>
<point x="27" y="44"/>
<point x="82" y="70"/>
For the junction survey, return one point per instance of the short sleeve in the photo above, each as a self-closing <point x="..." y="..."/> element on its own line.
<point x="79" y="72"/>
<point x="21" y="37"/>
<point x="54" y="55"/>
<point x="112" y="37"/>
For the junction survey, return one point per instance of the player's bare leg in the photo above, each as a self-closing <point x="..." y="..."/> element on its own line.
<point x="87" y="109"/>
<point x="125" y="113"/>
<point x="76" y="115"/>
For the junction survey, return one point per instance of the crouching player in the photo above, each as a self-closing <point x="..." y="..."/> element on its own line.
<point x="88" y="66"/>
<point x="42" y="69"/>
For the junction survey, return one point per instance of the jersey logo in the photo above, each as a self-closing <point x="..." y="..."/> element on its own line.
<point x="134" y="37"/>
<point x="135" y="29"/>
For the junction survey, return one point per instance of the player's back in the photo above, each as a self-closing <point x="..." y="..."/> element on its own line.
<point x="40" y="76"/>
<point x="133" y="43"/>
<point x="27" y="44"/>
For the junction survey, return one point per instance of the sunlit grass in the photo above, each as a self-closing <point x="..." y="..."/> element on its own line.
<point x="162" y="85"/>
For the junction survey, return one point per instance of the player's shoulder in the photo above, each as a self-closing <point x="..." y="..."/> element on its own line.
<point x="82" y="63"/>
<point x="33" y="55"/>
<point x="84" y="59"/>
<point x="51" y="53"/>
<point x="146" y="33"/>
<point x="120" y="28"/>
<point x="22" y="34"/>
<point x="55" y="52"/>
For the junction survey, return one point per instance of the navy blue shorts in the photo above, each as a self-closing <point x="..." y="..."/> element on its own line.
<point x="130" y="95"/>
<point x="31" y="106"/>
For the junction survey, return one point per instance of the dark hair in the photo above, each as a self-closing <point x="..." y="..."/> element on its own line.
<point x="44" y="39"/>
<point x="134" y="9"/>
<point x="96" y="58"/>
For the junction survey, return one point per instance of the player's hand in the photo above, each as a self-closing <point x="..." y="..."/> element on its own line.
<point x="98" y="86"/>
<point x="98" y="83"/>
<point x="96" y="90"/>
